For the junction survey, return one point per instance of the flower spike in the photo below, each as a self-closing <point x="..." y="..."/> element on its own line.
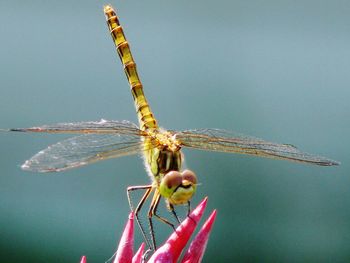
<point x="171" y="250"/>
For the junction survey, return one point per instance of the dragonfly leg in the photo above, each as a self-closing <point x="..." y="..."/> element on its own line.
<point x="153" y="210"/>
<point x="130" y="189"/>
<point x="154" y="203"/>
<point x="172" y="210"/>
<point x="149" y="189"/>
<point x="189" y="211"/>
<point x="188" y="208"/>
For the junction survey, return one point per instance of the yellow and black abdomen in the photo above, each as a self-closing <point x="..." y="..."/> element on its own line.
<point x="144" y="113"/>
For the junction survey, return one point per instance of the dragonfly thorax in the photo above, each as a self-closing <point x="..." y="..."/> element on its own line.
<point x="161" y="161"/>
<point x="165" y="165"/>
<point x="166" y="141"/>
<point x="162" y="153"/>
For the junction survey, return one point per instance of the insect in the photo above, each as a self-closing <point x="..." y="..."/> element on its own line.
<point x="161" y="149"/>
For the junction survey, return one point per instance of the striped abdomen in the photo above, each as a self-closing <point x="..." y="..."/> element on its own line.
<point x="145" y="116"/>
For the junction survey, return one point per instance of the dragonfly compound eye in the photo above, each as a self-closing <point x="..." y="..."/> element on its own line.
<point x="178" y="187"/>
<point x="189" y="176"/>
<point x="169" y="183"/>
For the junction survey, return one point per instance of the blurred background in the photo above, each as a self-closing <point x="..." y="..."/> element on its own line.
<point x="277" y="70"/>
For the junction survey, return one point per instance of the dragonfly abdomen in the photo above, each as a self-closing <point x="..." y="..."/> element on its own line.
<point x="145" y="115"/>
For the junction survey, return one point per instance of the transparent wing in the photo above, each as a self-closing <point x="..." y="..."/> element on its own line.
<point x="95" y="127"/>
<point x="82" y="150"/>
<point x="225" y="141"/>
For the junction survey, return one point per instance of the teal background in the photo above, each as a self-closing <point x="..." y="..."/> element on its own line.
<point x="278" y="70"/>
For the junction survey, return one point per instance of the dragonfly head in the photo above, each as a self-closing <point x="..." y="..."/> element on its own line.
<point x="178" y="188"/>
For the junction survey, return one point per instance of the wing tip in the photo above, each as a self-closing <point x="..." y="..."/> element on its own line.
<point x="13" y="130"/>
<point x="330" y="163"/>
<point x="28" y="167"/>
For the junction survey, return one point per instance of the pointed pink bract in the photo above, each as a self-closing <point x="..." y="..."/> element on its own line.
<point x="171" y="250"/>
<point x="138" y="255"/>
<point x="83" y="259"/>
<point x="197" y="248"/>
<point x="126" y="243"/>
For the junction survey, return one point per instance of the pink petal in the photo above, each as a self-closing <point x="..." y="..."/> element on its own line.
<point x="171" y="250"/>
<point x="83" y="259"/>
<point x="196" y="250"/>
<point x="126" y="243"/>
<point x="138" y="255"/>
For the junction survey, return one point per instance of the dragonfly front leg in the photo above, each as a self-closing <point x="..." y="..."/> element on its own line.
<point x="149" y="189"/>
<point x="153" y="212"/>
<point x="172" y="210"/>
<point x="188" y="208"/>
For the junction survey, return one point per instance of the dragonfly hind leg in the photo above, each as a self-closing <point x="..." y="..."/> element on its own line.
<point x="148" y="191"/>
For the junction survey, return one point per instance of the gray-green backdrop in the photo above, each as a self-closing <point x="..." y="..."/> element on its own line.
<point x="272" y="69"/>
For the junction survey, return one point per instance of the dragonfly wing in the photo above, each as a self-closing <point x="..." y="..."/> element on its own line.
<point x="95" y="127"/>
<point x="81" y="150"/>
<point x="226" y="141"/>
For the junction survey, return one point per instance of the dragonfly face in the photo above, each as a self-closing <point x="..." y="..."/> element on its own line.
<point x="178" y="188"/>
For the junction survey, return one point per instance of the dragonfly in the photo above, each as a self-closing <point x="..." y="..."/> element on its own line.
<point x="161" y="149"/>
